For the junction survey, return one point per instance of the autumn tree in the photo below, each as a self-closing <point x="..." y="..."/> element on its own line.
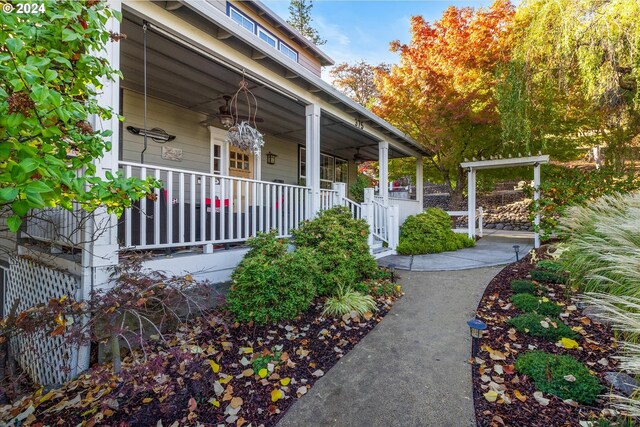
<point x="443" y="91"/>
<point x="300" y="19"/>
<point x="357" y="81"/>
<point x="51" y="72"/>
<point x="573" y="78"/>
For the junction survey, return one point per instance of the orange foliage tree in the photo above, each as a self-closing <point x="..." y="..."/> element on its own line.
<point x="443" y="92"/>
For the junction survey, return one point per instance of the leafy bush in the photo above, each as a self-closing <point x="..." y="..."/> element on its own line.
<point x="347" y="300"/>
<point x="340" y="247"/>
<point x="430" y="232"/>
<point x="564" y="187"/>
<point x="377" y="287"/>
<point x="533" y="304"/>
<point x="523" y="287"/>
<point x="548" y="372"/>
<point x="551" y="265"/>
<point x="547" y="276"/>
<point x="270" y="284"/>
<point x="532" y="324"/>
<point x="357" y="188"/>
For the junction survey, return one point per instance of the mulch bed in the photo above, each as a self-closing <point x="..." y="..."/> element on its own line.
<point x="205" y="375"/>
<point x="597" y="346"/>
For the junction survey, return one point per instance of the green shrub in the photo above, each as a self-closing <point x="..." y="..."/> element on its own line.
<point x="530" y="323"/>
<point x="270" y="284"/>
<point x="340" y="246"/>
<point x="551" y="265"/>
<point x="430" y="232"/>
<point x="523" y="287"/>
<point x="357" y="188"/>
<point x="548" y="372"/>
<point x="533" y="304"/>
<point x="347" y="300"/>
<point x="546" y="276"/>
<point x="377" y="287"/>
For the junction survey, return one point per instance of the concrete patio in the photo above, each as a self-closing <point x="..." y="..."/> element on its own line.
<point x="495" y="248"/>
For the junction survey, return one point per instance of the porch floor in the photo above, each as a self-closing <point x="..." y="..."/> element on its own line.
<point x="495" y="248"/>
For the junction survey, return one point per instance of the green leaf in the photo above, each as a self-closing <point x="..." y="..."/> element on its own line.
<point x="50" y="75"/>
<point x="40" y="93"/>
<point x="20" y="207"/>
<point x="56" y="98"/>
<point x="69" y="35"/>
<point x="15" y="45"/>
<point x="38" y="187"/>
<point x="8" y="194"/>
<point x="35" y="199"/>
<point x="14" y="222"/>
<point x="14" y="120"/>
<point x="28" y="165"/>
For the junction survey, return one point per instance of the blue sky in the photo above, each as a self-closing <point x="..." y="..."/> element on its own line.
<point x="362" y="29"/>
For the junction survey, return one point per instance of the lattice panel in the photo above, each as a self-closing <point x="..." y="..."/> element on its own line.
<point x="48" y="360"/>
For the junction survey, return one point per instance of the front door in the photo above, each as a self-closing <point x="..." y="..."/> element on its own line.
<point x="240" y="163"/>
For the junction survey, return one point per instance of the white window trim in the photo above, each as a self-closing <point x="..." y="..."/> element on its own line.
<point x="264" y="31"/>
<point x="281" y="44"/>
<point x="244" y="16"/>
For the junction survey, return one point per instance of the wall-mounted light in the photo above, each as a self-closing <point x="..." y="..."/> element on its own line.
<point x="157" y="134"/>
<point x="271" y="158"/>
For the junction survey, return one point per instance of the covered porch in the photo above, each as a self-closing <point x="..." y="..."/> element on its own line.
<point x="213" y="194"/>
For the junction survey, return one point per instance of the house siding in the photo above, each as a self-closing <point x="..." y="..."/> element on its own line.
<point x="286" y="167"/>
<point x="191" y="136"/>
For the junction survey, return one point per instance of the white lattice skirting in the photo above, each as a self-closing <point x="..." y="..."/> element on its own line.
<point x="48" y="360"/>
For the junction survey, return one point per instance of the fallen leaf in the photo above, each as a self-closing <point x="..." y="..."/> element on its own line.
<point x="263" y="372"/>
<point x="603" y="361"/>
<point x="276" y="395"/>
<point x="147" y="400"/>
<point x="568" y="343"/>
<point x="521" y="397"/>
<point x="569" y="378"/>
<point x="214" y="402"/>
<point x="214" y="366"/>
<point x="236" y="402"/>
<point x="247" y="372"/>
<point x="585" y="320"/>
<point x="544" y="324"/>
<point x="485" y="378"/>
<point x="498" y="369"/>
<point x="509" y="369"/>
<point x="318" y="373"/>
<point x="491" y="396"/>
<point x="540" y="398"/>
<point x="285" y="381"/>
<point x="192" y="405"/>
<point x="301" y="391"/>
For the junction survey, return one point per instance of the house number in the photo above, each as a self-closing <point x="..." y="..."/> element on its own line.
<point x="359" y="124"/>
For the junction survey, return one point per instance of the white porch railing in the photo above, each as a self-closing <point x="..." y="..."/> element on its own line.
<point x="355" y="208"/>
<point x="56" y="225"/>
<point x="327" y="199"/>
<point x="195" y="208"/>
<point x="380" y="228"/>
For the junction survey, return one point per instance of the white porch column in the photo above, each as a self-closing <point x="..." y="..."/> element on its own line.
<point x="536" y="200"/>
<point x="420" y="182"/>
<point x="383" y="175"/>
<point x="312" y="113"/>
<point x="471" y="199"/>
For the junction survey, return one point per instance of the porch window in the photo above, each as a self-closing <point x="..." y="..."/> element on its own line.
<point x="332" y="169"/>
<point x="217" y="159"/>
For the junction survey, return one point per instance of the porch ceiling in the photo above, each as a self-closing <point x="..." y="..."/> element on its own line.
<point x="186" y="78"/>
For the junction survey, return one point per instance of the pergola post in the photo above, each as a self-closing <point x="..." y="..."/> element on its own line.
<point x="536" y="200"/>
<point x="471" y="201"/>
<point x="383" y="173"/>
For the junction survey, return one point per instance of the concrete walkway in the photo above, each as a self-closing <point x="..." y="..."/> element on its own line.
<point x="412" y="369"/>
<point x="495" y="248"/>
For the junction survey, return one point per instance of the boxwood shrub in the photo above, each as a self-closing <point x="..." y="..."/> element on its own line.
<point x="430" y="232"/>
<point x="340" y="247"/>
<point x="548" y="372"/>
<point x="523" y="286"/>
<point x="546" y="276"/>
<point x="530" y="323"/>
<point x="533" y="304"/>
<point x="271" y="284"/>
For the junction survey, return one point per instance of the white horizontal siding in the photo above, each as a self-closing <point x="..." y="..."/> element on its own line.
<point x="286" y="167"/>
<point x="191" y="136"/>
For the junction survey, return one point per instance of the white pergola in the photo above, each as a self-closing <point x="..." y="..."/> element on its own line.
<point x="474" y="166"/>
